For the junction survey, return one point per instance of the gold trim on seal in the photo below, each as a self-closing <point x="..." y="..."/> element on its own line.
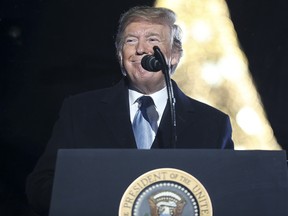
<point x="166" y="175"/>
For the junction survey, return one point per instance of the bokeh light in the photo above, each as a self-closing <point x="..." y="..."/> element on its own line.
<point x="214" y="70"/>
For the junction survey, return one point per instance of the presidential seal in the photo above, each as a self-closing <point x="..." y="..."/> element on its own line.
<point x="165" y="192"/>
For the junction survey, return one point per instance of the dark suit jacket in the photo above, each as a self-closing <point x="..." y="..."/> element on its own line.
<point x="101" y="119"/>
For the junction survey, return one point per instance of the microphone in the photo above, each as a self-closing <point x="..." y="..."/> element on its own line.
<point x="150" y="63"/>
<point x="156" y="63"/>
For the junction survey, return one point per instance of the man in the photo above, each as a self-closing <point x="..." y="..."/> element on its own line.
<point x="105" y="118"/>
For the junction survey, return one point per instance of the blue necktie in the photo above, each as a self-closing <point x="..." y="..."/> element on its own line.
<point x="144" y="122"/>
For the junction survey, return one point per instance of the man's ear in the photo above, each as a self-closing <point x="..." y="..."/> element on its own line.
<point x="175" y="59"/>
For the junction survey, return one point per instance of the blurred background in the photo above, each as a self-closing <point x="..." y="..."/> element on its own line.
<point x="52" y="49"/>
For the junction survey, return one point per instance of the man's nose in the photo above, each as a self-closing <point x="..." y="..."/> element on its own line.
<point x="141" y="48"/>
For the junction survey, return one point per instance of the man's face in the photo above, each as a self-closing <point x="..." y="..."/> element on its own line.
<point x="139" y="40"/>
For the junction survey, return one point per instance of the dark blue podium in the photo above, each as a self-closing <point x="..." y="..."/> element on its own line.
<point x="93" y="181"/>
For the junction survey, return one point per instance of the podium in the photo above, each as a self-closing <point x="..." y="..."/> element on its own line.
<point x="95" y="181"/>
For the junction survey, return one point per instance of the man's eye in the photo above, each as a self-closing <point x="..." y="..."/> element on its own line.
<point x="153" y="39"/>
<point x="130" y="41"/>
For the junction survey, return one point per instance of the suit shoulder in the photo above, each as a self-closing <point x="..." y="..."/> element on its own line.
<point x="205" y="108"/>
<point x="95" y="95"/>
<point x="194" y="105"/>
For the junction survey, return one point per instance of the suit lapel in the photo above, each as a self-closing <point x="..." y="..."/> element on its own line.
<point x="185" y="113"/>
<point x="184" y="117"/>
<point x="115" y="106"/>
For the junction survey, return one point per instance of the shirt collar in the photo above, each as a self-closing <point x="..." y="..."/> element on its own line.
<point x="159" y="97"/>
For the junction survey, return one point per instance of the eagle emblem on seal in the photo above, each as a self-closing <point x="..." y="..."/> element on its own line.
<point x="166" y="203"/>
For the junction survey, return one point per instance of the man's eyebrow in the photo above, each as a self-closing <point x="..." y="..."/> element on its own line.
<point x="152" y="34"/>
<point x="130" y="35"/>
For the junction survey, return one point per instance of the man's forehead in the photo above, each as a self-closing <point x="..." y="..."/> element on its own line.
<point x="146" y="28"/>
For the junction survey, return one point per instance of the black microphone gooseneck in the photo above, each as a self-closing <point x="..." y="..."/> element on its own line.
<point x="154" y="64"/>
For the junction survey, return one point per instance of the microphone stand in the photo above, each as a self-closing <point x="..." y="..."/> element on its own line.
<point x="171" y="99"/>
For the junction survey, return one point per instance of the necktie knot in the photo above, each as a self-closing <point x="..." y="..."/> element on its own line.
<point x="147" y="107"/>
<point x="145" y="101"/>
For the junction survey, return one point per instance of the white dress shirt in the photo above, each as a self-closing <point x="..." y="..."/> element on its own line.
<point x="159" y="98"/>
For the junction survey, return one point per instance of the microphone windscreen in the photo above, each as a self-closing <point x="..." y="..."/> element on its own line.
<point x="150" y="63"/>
